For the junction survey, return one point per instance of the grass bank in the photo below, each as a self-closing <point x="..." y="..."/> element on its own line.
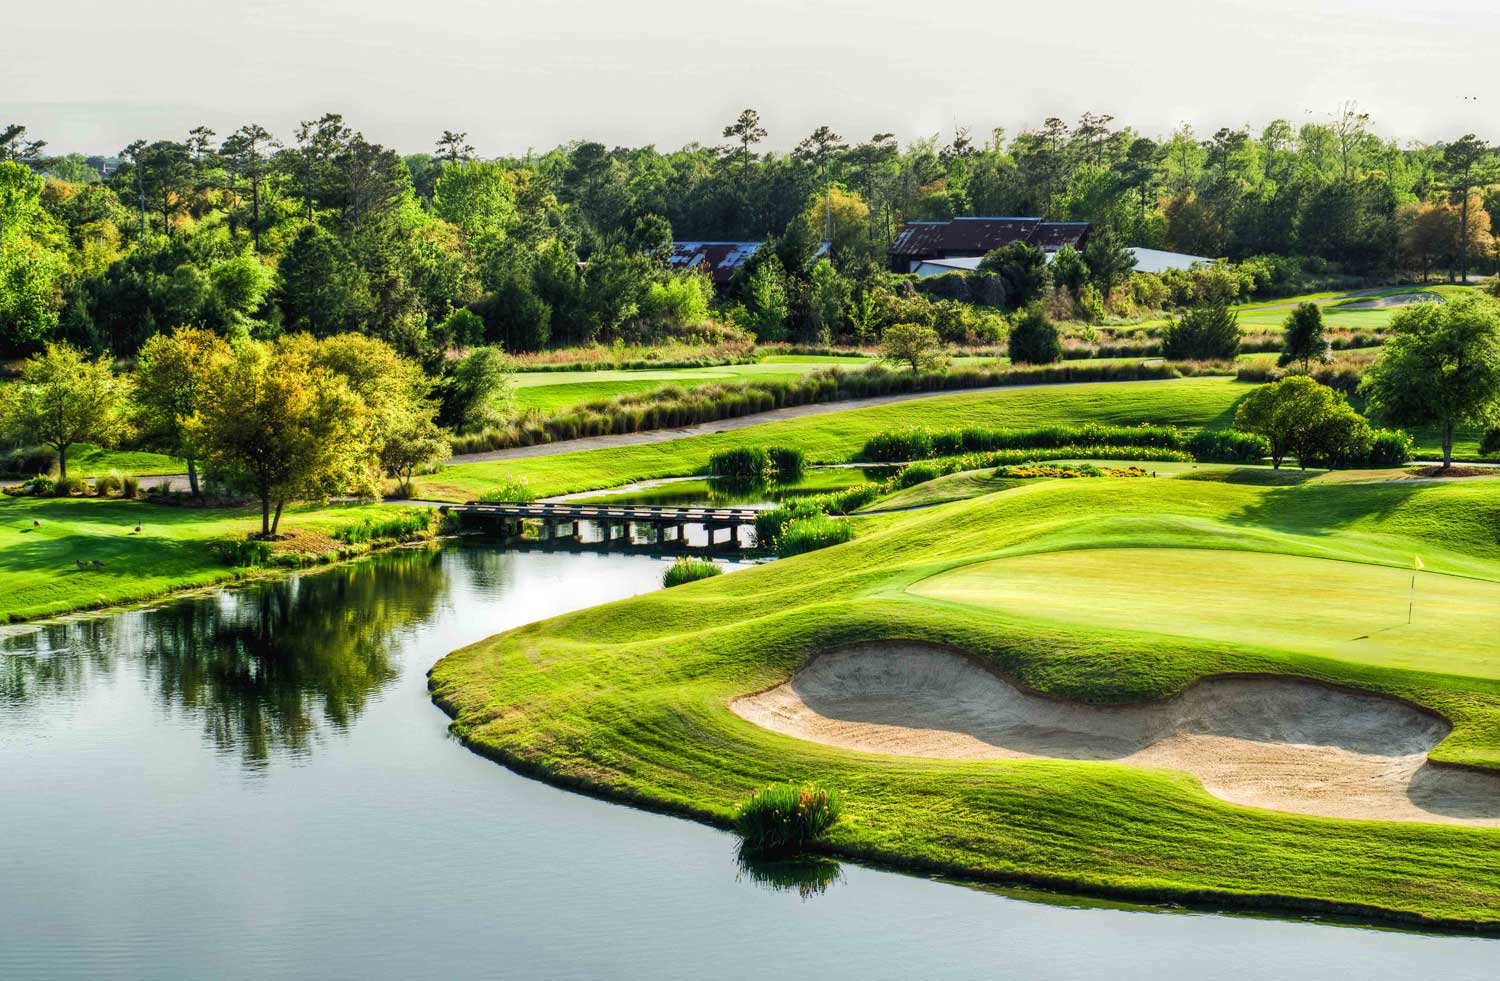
<point x="42" y="540"/>
<point x="630" y="700"/>
<point x="834" y="437"/>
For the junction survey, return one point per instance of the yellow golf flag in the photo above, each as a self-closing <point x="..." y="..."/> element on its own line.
<point x="1418" y="560"/>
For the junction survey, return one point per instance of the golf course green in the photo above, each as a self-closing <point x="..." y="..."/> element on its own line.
<point x="1148" y="593"/>
<point x="1350" y="610"/>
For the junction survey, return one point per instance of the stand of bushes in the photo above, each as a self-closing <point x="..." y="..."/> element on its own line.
<point x="1343" y="374"/>
<point x="811" y="522"/>
<point x="1211" y="445"/>
<point x="752" y="464"/>
<point x="1149" y="344"/>
<point x="112" y="484"/>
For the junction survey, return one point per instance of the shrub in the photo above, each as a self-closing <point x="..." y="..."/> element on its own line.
<point x="782" y="818"/>
<point x="747" y="463"/>
<point x="686" y="570"/>
<point x="1228" y="446"/>
<point x="850" y="499"/>
<point x="1028" y="471"/>
<point x="770" y="523"/>
<point x="913" y="345"/>
<point x="898" y="446"/>
<point x="70" y="485"/>
<point x="1034" y="339"/>
<point x="41" y="485"/>
<point x="244" y="552"/>
<point x="108" y="483"/>
<point x="787" y="463"/>
<point x="886" y="447"/>
<point x="916" y="473"/>
<point x="812" y="533"/>
<point x="1389" y="448"/>
<point x="513" y="491"/>
<point x="402" y="526"/>
<point x="29" y="459"/>
<point x="1203" y="334"/>
<point x="130" y="487"/>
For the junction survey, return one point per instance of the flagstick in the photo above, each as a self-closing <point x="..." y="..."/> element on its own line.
<point x="1412" y="600"/>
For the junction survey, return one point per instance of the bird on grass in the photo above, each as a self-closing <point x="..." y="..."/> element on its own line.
<point x="137" y="530"/>
<point x="35" y="523"/>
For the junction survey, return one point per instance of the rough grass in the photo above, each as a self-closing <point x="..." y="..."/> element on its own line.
<point x="836" y="436"/>
<point x="630" y="699"/>
<point x="175" y="549"/>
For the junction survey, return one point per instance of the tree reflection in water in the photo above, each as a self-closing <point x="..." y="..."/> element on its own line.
<point x="268" y="668"/>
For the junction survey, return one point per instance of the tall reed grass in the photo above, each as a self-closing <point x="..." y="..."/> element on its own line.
<point x="779" y="819"/>
<point x="686" y="570"/>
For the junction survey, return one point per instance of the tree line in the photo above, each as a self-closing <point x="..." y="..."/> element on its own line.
<point x="297" y="417"/>
<point x="323" y="231"/>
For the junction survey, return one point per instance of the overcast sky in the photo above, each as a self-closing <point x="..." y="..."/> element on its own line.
<point x="92" y="75"/>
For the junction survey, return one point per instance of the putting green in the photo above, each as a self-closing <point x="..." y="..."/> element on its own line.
<point x="1348" y="610"/>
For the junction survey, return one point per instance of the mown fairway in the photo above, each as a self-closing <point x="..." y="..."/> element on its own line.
<point x="834" y="436"/>
<point x="1349" y="610"/>
<point x="631" y="699"/>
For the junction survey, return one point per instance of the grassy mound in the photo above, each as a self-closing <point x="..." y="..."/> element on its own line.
<point x="631" y="699"/>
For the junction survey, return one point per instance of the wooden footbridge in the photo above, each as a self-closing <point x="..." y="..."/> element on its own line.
<point x="562" y="521"/>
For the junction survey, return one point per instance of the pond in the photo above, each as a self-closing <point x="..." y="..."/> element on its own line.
<point x="253" y="783"/>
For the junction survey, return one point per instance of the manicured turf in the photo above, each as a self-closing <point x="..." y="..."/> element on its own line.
<point x="630" y="699"/>
<point x="173" y="550"/>
<point x="834" y="436"/>
<point x="1348" y="610"/>
<point x="87" y="460"/>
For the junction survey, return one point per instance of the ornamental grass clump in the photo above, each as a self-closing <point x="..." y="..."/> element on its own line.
<point x="108" y="483"/>
<point x="779" y="819"/>
<point x="686" y="570"/>
<point x="402" y="526"/>
<point x="787" y="464"/>
<point x="510" y="492"/>
<point x="743" y="464"/>
<point x="812" y="533"/>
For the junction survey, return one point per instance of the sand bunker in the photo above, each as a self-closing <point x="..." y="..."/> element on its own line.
<point x="1282" y="744"/>
<point x="1386" y="302"/>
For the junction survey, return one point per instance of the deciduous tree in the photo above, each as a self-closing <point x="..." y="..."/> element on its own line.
<point x="913" y="345"/>
<point x="1306" y="338"/>
<point x="172" y="371"/>
<point x="1302" y="418"/>
<point x="1441" y="367"/>
<point x="65" y="398"/>
<point x="273" y="424"/>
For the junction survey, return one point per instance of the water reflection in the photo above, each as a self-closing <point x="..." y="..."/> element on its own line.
<point x="807" y="875"/>
<point x="266" y="669"/>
